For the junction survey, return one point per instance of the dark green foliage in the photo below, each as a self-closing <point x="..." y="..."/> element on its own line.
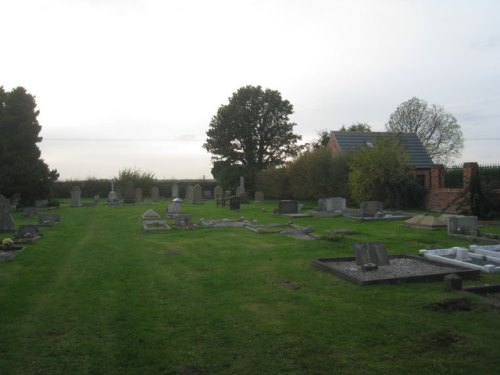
<point x="228" y="175"/>
<point x="274" y="183"/>
<point x="382" y="173"/>
<point x="143" y="179"/>
<point x="253" y="131"/>
<point x="21" y="169"/>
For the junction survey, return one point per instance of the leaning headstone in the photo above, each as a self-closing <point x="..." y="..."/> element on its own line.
<point x="371" y="253"/>
<point x="189" y="193"/>
<point x="197" y="195"/>
<point x="76" y="195"/>
<point x="465" y="225"/>
<point x="218" y="192"/>
<point x="138" y="195"/>
<point x="155" y="194"/>
<point x="371" y="209"/>
<point x="288" y="207"/>
<point x="6" y="222"/>
<point x="175" y="191"/>
<point x="259" y="196"/>
<point x="129" y="193"/>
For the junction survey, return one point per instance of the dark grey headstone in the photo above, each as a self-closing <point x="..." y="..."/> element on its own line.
<point x="452" y="282"/>
<point x="234" y="203"/>
<point x="76" y="194"/>
<point x="288" y="207"/>
<point x="6" y="222"/>
<point x="371" y="252"/>
<point x="155" y="194"/>
<point x="129" y="193"/>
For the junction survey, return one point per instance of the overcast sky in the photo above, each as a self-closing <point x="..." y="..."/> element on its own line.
<point x="130" y="83"/>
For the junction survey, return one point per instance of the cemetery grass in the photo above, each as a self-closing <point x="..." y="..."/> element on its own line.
<point x="97" y="295"/>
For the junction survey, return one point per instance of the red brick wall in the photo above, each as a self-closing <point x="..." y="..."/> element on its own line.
<point x="442" y="199"/>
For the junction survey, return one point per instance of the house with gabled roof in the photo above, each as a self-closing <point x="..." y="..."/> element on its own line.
<point x="342" y="142"/>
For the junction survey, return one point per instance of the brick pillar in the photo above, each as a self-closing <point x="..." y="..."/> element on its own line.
<point x="437" y="177"/>
<point x="470" y="169"/>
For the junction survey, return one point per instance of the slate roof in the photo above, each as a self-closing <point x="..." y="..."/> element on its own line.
<point x="419" y="157"/>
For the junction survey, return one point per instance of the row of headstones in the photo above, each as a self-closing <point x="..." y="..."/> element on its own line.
<point x="194" y="194"/>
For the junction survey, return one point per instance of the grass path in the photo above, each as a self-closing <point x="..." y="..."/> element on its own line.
<point x="98" y="296"/>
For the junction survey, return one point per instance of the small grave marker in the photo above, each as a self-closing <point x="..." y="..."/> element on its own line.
<point x="371" y="252"/>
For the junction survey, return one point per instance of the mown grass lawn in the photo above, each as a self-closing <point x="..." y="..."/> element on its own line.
<point x="97" y="295"/>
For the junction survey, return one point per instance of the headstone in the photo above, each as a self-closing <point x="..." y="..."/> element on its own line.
<point x="234" y="203"/>
<point x="197" y="195"/>
<point x="227" y="194"/>
<point x="138" y="195"/>
<point x="30" y="211"/>
<point x="207" y="194"/>
<point x="155" y="194"/>
<point x="371" y="252"/>
<point x="189" y="193"/>
<point x="175" y="190"/>
<point x="183" y="220"/>
<point x="218" y="192"/>
<point x="6" y="222"/>
<point x="112" y="195"/>
<point x="465" y="225"/>
<point x="371" y="208"/>
<point x="42" y="203"/>
<point x="259" y="196"/>
<point x="96" y="199"/>
<point x="336" y="204"/>
<point x="150" y="215"/>
<point x="452" y="282"/>
<point x="76" y="194"/>
<point x="244" y="198"/>
<point x="129" y="193"/>
<point x="288" y="207"/>
<point x="242" y="185"/>
<point x="175" y="207"/>
<point x="27" y="233"/>
<point x="48" y="219"/>
<point x="322" y="204"/>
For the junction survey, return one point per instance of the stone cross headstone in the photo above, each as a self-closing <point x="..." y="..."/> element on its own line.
<point x="155" y="194"/>
<point x="129" y="193"/>
<point x="189" y="193"/>
<point x="259" y="196"/>
<point x="197" y="194"/>
<point x="371" y="252"/>
<point x="6" y="222"/>
<point x="112" y="196"/>
<point x="175" y="191"/>
<point x="76" y="194"/>
<point x="465" y="225"/>
<point x="218" y="192"/>
<point x="288" y="207"/>
<point x="371" y="208"/>
<point x="138" y="195"/>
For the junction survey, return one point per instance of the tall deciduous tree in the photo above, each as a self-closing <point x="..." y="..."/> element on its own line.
<point x="357" y="127"/>
<point x="253" y="131"/>
<point x="437" y="129"/>
<point x="22" y="171"/>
